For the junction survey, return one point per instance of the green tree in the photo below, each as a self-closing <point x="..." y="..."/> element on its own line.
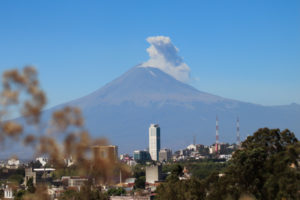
<point x="266" y="167"/>
<point x="176" y="170"/>
<point x="138" y="171"/>
<point x="140" y="182"/>
<point x="16" y="178"/>
<point x="19" y="194"/>
<point x="116" y="191"/>
<point x="85" y="193"/>
<point x="30" y="186"/>
<point x="69" y="194"/>
<point x="174" y="189"/>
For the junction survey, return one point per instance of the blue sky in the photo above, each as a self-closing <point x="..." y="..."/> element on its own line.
<point x="244" y="50"/>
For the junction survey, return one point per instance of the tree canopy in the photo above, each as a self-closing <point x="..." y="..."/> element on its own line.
<point x="265" y="167"/>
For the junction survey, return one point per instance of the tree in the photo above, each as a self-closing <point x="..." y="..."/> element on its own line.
<point x="85" y="193"/>
<point x="16" y="178"/>
<point x="69" y="194"/>
<point x="1" y="193"/>
<point x="177" y="170"/>
<point x="19" y="194"/>
<point x="30" y="186"/>
<point x="174" y="189"/>
<point x="140" y="182"/>
<point x="116" y="191"/>
<point x="35" y="164"/>
<point x="262" y="168"/>
<point x="138" y="171"/>
<point x="266" y="167"/>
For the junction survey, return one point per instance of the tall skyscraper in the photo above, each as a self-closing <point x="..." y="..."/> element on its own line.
<point x="154" y="141"/>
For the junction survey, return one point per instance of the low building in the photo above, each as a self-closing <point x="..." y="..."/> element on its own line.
<point x="124" y="157"/>
<point x="127" y="159"/>
<point x="8" y="193"/>
<point x="225" y="156"/>
<point x="212" y="149"/>
<point x="69" y="161"/>
<point x="42" y="160"/>
<point x="129" y="183"/>
<point x="29" y="174"/>
<point x="74" y="181"/>
<point x="153" y="173"/>
<point x="2" y="164"/>
<point x="191" y="147"/>
<point x="13" y="163"/>
<point x="55" y="193"/>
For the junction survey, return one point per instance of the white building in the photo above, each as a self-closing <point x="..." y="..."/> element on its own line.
<point x="69" y="161"/>
<point x="192" y="147"/>
<point x="42" y="160"/>
<point x="8" y="193"/>
<point x="154" y="141"/>
<point x="153" y="173"/>
<point x="13" y="163"/>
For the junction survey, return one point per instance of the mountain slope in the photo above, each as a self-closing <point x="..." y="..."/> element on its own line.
<point x="123" y="109"/>
<point x="145" y="85"/>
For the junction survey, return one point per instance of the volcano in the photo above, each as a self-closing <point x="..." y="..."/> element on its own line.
<point x="123" y="110"/>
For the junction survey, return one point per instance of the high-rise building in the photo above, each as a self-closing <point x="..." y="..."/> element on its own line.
<point x="141" y="155"/>
<point x="165" y="155"/>
<point x="108" y="153"/>
<point x="154" y="141"/>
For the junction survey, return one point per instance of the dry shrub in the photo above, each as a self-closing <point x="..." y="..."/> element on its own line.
<point x="247" y="197"/>
<point x="67" y="122"/>
<point x="11" y="129"/>
<point x="41" y="193"/>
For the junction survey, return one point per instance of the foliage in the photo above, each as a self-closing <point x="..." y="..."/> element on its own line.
<point x="30" y="186"/>
<point x="266" y="167"/>
<point x="175" y="189"/>
<point x="16" y="178"/>
<point x="138" y="170"/>
<point x="140" y="182"/>
<point x="69" y="194"/>
<point x="116" y="191"/>
<point x="262" y="168"/>
<point x="35" y="164"/>
<point x="19" y="194"/>
<point x="5" y="174"/>
<point x="204" y="169"/>
<point x="86" y="193"/>
<point x="66" y="171"/>
<point x="198" y="169"/>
